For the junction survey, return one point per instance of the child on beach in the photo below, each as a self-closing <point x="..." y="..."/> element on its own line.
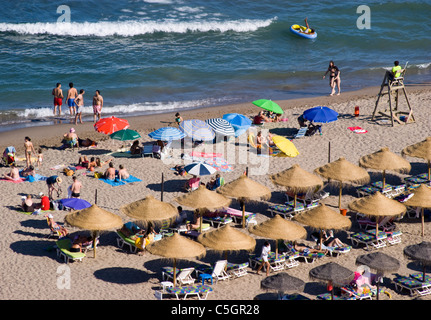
<point x="39" y="158"/>
<point x="29" y="149"/>
<point x="178" y="118"/>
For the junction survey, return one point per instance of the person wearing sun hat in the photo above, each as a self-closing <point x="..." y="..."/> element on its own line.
<point x="71" y="138"/>
<point x="51" y="181"/>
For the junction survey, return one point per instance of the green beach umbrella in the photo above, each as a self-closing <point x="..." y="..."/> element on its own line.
<point x="268" y="105"/>
<point x="125" y="134"/>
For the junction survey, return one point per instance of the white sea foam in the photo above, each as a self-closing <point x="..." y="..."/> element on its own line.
<point x="125" y="109"/>
<point x="134" y="28"/>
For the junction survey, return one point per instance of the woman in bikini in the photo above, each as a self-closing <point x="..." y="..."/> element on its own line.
<point x="29" y="149"/>
<point x="334" y="77"/>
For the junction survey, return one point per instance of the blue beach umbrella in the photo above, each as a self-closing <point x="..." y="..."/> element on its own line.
<point x="75" y="203"/>
<point x="167" y="134"/>
<point x="197" y="130"/>
<point x="238" y="121"/>
<point x="199" y="169"/>
<point x="320" y="114"/>
<point x="221" y="126"/>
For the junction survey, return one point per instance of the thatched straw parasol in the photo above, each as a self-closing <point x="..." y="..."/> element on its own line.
<point x="380" y="262"/>
<point x="176" y="247"/>
<point x="297" y="180"/>
<point x="343" y="171"/>
<point x="94" y="219"/>
<point x="227" y="238"/>
<point x="420" y="252"/>
<point x="279" y="228"/>
<point x="323" y="218"/>
<point x="420" y="150"/>
<point x="149" y="209"/>
<point x="202" y="198"/>
<point x="421" y="198"/>
<point x="377" y="205"/>
<point x="385" y="160"/>
<point x="244" y="189"/>
<point x="282" y="282"/>
<point x="332" y="272"/>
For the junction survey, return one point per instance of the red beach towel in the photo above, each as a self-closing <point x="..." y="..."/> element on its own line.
<point x="357" y="130"/>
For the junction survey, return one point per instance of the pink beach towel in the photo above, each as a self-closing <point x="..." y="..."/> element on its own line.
<point x="205" y="154"/>
<point x="15" y="181"/>
<point x="357" y="130"/>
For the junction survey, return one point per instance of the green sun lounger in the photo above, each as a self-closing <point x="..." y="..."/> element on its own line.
<point x="63" y="247"/>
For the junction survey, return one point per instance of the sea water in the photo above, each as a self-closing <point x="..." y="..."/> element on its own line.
<point x="150" y="56"/>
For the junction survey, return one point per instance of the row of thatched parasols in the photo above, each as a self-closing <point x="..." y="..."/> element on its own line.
<point x="244" y="189"/>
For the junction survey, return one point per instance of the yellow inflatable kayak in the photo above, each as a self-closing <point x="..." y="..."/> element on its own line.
<point x="304" y="32"/>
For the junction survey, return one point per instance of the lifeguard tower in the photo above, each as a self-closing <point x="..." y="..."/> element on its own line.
<point x="392" y="89"/>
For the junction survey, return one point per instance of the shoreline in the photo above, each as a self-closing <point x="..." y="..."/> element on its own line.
<point x="51" y="135"/>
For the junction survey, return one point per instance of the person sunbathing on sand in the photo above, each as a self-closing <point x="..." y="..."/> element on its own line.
<point x="110" y="172"/>
<point x="101" y="164"/>
<point x="13" y="174"/>
<point x="122" y="173"/>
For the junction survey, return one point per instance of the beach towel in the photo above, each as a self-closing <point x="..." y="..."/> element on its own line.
<point x="14" y="181"/>
<point x="36" y="177"/>
<point x="59" y="166"/>
<point x="205" y="154"/>
<point x="357" y="130"/>
<point x="117" y="182"/>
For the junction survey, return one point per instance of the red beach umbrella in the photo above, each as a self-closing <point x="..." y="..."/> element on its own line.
<point x="111" y="125"/>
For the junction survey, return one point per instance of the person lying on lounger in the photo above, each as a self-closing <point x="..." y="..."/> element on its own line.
<point x="306" y="249"/>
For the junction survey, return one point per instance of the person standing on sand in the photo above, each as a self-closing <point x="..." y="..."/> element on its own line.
<point x="334" y="77"/>
<point x="75" y="188"/>
<point x="97" y="105"/>
<point x="29" y="149"/>
<point x="79" y="101"/>
<point x="58" y="98"/>
<point x="266" y="249"/>
<point x="72" y="93"/>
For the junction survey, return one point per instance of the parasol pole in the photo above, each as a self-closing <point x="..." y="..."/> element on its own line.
<point x="162" y="189"/>
<point x="339" y="199"/>
<point x="243" y="213"/>
<point x="321" y="239"/>
<point x="423" y="222"/>
<point x="429" y="169"/>
<point x="294" y="201"/>
<point x="383" y="179"/>
<point x="95" y="197"/>
<point x="175" y="272"/>
<point x="94" y="234"/>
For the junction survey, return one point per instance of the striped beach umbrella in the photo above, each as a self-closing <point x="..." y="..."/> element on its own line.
<point x="221" y="126"/>
<point x="167" y="134"/>
<point x="197" y="130"/>
<point x="239" y="122"/>
<point x="199" y="169"/>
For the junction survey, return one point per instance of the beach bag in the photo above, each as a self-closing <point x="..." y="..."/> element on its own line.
<point x="98" y="175"/>
<point x="68" y="172"/>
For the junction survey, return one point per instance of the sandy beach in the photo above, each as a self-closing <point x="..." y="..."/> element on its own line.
<point x="30" y="268"/>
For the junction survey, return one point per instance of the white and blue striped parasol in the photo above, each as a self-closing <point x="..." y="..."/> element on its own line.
<point x="197" y="130"/>
<point x="221" y="126"/>
<point x="199" y="169"/>
<point x="167" y="134"/>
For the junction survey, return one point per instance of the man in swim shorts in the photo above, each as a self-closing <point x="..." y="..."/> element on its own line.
<point x="76" y="188"/>
<point x="58" y="98"/>
<point x="79" y="101"/>
<point x="97" y="105"/>
<point x="72" y="93"/>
